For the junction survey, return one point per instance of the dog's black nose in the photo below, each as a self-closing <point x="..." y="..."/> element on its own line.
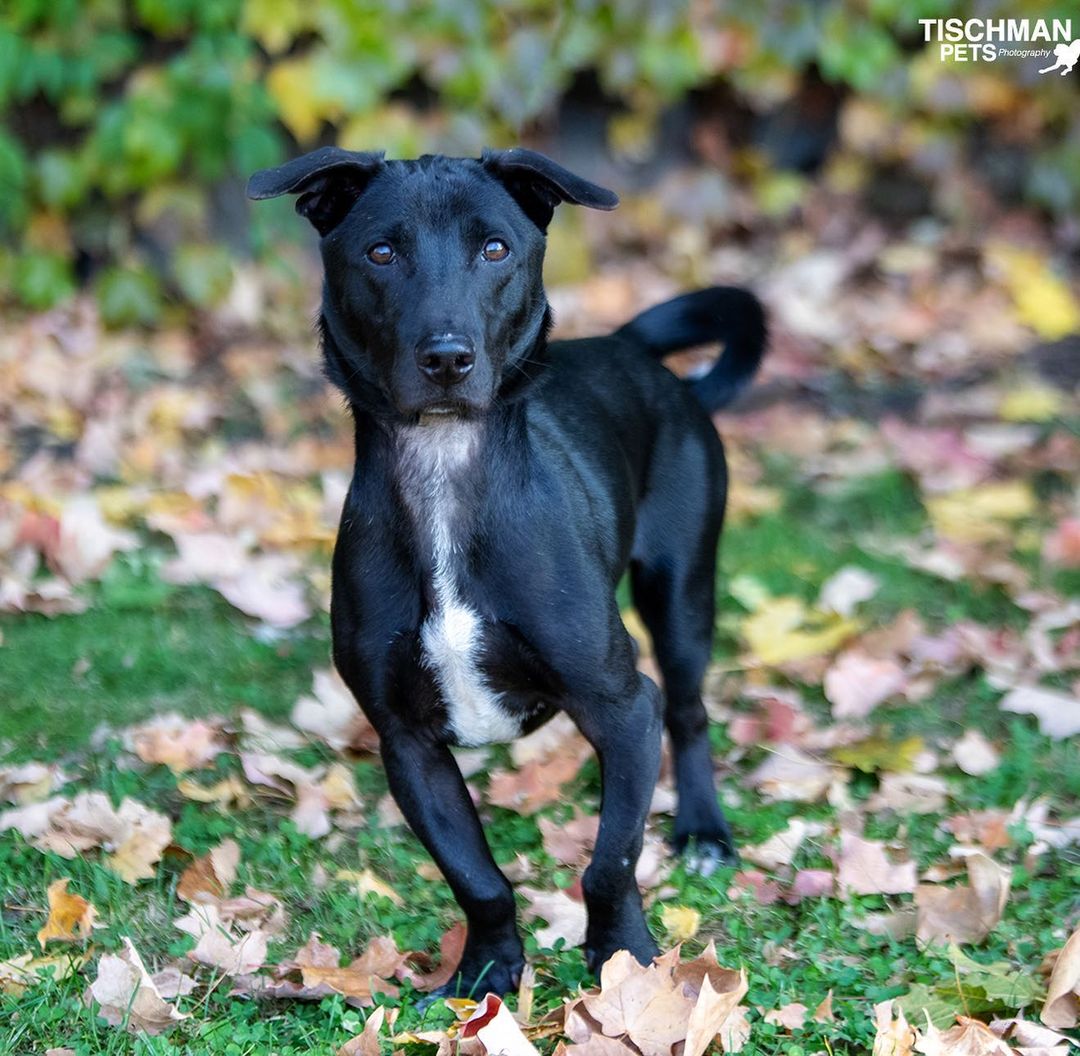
<point x="445" y="358"/>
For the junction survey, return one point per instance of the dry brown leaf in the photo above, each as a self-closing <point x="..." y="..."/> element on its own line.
<point x="25" y="783"/>
<point x="1058" y="713"/>
<point x="535" y="785"/>
<point x="366" y="1043"/>
<point x="451" y="948"/>
<point x="177" y="742"/>
<point x="209" y="878"/>
<point x="1062" y="1007"/>
<point x="968" y="1038"/>
<point x="492" y="1031"/>
<point x="966" y="913"/>
<point x="844" y="591"/>
<point x="126" y="994"/>
<point x="856" y="683"/>
<point x="909" y="794"/>
<point x="25" y="970"/>
<point x="863" y="868"/>
<point x="71" y="917"/>
<point x="781" y="848"/>
<point x="974" y="754"/>
<point x="790" y="1017"/>
<point x="644" y="1003"/>
<point x="788" y="774"/>
<point x="136" y="835"/>
<point x="332" y="714"/>
<point x="565" y="916"/>
<point x="217" y="946"/>
<point x="824" y="1011"/>
<point x="570" y="842"/>
<point x="228" y="792"/>
<point x="894" y="1037"/>
<point x="367" y="883"/>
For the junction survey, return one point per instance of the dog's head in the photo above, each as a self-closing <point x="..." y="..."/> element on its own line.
<point x="433" y="297"/>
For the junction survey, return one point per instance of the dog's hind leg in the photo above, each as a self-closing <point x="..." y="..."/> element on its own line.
<point x="427" y="785"/>
<point x="675" y="596"/>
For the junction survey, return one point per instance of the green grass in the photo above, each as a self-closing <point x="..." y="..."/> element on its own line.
<point x="144" y="648"/>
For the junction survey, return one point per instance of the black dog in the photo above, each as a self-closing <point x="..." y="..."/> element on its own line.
<point x="503" y="486"/>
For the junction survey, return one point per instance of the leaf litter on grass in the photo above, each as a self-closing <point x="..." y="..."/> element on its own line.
<point x="895" y="660"/>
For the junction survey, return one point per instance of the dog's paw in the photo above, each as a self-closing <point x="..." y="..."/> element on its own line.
<point x="490" y="978"/>
<point x="703" y="855"/>
<point x="636" y="939"/>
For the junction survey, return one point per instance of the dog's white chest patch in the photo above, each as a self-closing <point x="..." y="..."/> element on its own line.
<point x="431" y="456"/>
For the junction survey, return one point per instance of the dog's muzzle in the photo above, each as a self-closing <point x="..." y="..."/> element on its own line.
<point x="445" y="359"/>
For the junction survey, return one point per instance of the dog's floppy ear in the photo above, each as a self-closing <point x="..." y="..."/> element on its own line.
<point x="538" y="184"/>
<point x="328" y="180"/>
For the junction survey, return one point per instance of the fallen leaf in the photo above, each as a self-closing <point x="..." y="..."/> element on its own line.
<point x="680" y="922"/>
<point x="863" y="868"/>
<point x="844" y="591"/>
<point x="332" y="714"/>
<point x="968" y="1038"/>
<point x="535" y="785"/>
<point x="966" y="913"/>
<point x="974" y="754"/>
<point x="496" y="1031"/>
<point x="893" y="1037"/>
<point x="1043" y="299"/>
<point x="1058" y="713"/>
<point x="1062" y="1007"/>
<point x="451" y="947"/>
<point x="25" y="970"/>
<point x="783" y="630"/>
<point x="570" y="842"/>
<point x="790" y="774"/>
<point x="177" y="742"/>
<point x="71" y="917"/>
<point x="228" y="792"/>
<point x="909" y="794"/>
<point x="565" y="916"/>
<point x="217" y="946"/>
<point x="981" y="514"/>
<point x="366" y="1043"/>
<point x="856" y="683"/>
<point x="790" y="1017"/>
<point x="781" y="848"/>
<point x="126" y="995"/>
<point x="209" y="878"/>
<point x="367" y="883"/>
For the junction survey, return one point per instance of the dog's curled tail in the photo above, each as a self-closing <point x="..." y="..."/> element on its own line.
<point x="727" y="314"/>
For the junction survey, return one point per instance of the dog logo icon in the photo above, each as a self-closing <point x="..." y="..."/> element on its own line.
<point x="1067" y="57"/>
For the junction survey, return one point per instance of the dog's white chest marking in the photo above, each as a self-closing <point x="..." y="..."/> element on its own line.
<point x="432" y="461"/>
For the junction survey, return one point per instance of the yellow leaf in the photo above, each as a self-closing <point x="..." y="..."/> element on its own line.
<point x="680" y="922"/>
<point x="367" y="883"/>
<point x="71" y="917"/>
<point x="783" y="629"/>
<point x="25" y="970"/>
<point x="1043" y="299"/>
<point x="224" y="792"/>
<point x="275" y="23"/>
<point x="1031" y="402"/>
<point x="292" y="84"/>
<point x="981" y="514"/>
<point x="633" y="623"/>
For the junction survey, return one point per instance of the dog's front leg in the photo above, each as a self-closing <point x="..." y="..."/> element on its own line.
<point x="626" y="737"/>
<point x="427" y="785"/>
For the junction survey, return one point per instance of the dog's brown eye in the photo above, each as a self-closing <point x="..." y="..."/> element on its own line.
<point x="381" y="253"/>
<point x="495" y="249"/>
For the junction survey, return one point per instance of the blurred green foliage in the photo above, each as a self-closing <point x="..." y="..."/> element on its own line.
<point x="125" y="122"/>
